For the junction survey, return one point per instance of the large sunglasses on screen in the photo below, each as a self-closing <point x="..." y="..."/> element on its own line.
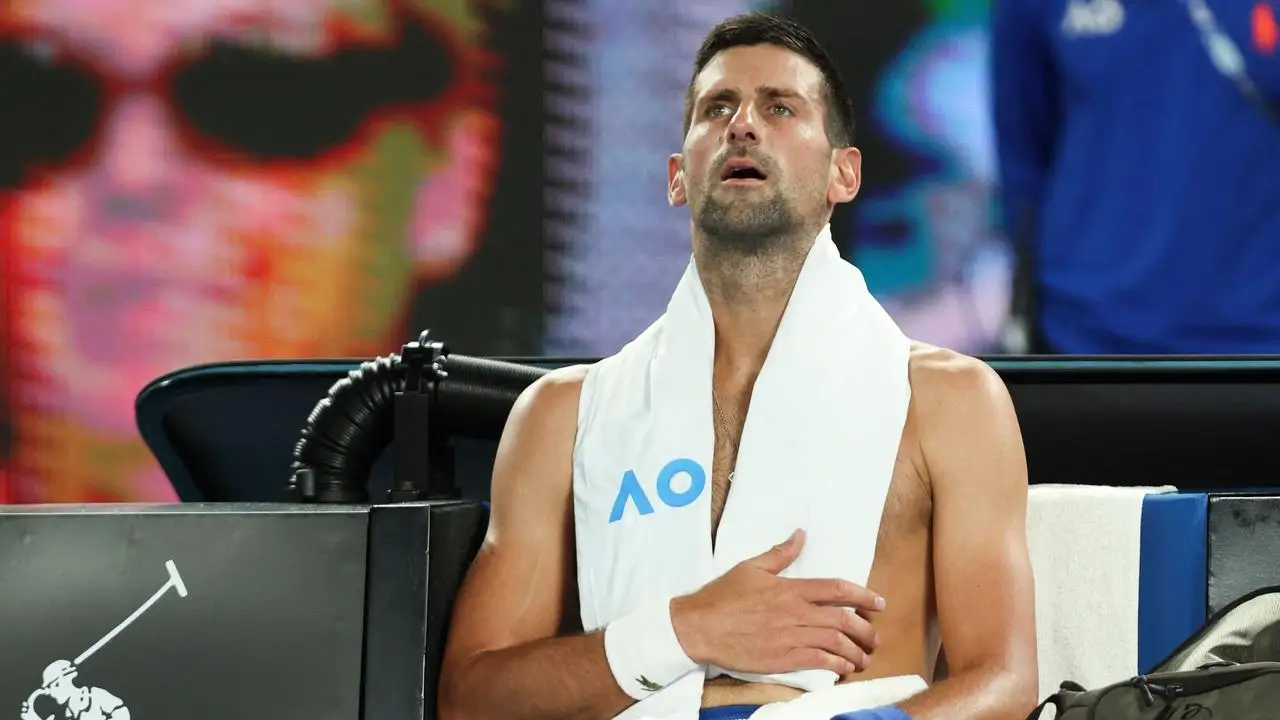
<point x="230" y="101"/>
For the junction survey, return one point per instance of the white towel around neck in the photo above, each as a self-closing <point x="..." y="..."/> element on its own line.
<point x="817" y="452"/>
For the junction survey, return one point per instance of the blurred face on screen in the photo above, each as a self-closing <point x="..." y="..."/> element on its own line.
<point x="761" y="105"/>
<point x="188" y="181"/>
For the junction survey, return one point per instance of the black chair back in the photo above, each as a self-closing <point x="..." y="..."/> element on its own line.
<point x="226" y="432"/>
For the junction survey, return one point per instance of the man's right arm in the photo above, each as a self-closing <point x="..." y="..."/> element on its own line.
<point x="503" y="657"/>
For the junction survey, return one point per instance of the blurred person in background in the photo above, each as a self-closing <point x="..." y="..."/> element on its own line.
<point x="929" y="244"/>
<point x="1139" y="158"/>
<point x="205" y="180"/>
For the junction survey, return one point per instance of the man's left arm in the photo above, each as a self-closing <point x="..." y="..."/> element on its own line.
<point x="973" y="453"/>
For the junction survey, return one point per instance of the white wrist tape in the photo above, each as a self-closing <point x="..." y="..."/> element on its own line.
<point x="643" y="651"/>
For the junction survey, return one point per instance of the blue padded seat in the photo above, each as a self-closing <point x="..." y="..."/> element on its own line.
<point x="1172" y="582"/>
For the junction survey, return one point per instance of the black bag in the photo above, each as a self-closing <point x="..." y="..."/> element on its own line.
<point x="1229" y="670"/>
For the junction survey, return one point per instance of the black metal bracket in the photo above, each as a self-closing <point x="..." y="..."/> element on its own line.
<point x="423" y="459"/>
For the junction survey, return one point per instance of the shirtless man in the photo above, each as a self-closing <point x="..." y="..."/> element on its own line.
<point x="951" y="547"/>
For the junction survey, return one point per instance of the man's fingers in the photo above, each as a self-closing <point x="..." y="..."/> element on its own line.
<point x="777" y="558"/>
<point x="846" y="621"/>
<point x="837" y="592"/>
<point x="832" y="642"/>
<point x="813" y="659"/>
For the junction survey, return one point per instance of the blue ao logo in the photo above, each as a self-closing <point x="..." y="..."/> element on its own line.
<point x="631" y="493"/>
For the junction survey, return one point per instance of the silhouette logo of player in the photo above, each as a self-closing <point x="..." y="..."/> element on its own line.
<point x="90" y="703"/>
<point x="80" y="703"/>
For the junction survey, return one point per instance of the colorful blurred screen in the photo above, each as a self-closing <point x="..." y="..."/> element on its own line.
<point x="194" y="181"/>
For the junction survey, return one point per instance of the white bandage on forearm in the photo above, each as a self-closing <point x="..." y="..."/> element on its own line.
<point x="643" y="651"/>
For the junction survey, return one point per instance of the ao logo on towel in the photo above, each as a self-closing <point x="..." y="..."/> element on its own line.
<point x="630" y="492"/>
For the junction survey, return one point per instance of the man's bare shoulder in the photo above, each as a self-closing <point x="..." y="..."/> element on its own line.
<point x="543" y="423"/>
<point x="960" y="407"/>
<point x="567" y="378"/>
<point x="533" y="465"/>
<point x="942" y="380"/>
<point x="554" y="396"/>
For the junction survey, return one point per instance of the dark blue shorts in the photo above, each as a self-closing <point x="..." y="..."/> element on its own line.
<point x="728" y="712"/>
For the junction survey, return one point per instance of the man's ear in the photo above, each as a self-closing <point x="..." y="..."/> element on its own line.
<point x="675" y="180"/>
<point x="846" y="175"/>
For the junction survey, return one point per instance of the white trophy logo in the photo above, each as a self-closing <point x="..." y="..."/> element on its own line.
<point x="91" y="703"/>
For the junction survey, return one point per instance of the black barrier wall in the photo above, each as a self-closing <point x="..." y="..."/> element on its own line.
<point x="226" y="432"/>
<point x="247" y="612"/>
<point x="231" y="611"/>
<point x="418" y="556"/>
<point x="1196" y="424"/>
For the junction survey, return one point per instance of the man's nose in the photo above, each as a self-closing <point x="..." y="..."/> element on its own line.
<point x="743" y="127"/>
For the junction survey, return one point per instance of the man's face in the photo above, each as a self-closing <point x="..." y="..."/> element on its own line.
<point x="757" y="163"/>
<point x="63" y="688"/>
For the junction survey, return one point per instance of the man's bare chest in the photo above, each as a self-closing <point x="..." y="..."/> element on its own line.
<point x="729" y="416"/>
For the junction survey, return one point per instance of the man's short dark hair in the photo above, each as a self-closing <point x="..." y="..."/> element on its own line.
<point x="767" y="29"/>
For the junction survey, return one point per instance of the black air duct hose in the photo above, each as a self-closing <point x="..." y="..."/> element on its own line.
<point x="437" y="394"/>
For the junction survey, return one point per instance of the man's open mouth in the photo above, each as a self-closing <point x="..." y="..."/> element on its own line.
<point x="742" y="171"/>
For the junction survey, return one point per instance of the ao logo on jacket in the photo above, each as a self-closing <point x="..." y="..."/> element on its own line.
<point x="1092" y="18"/>
<point x="630" y="491"/>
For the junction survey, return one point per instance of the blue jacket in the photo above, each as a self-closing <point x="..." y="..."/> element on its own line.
<point x="1147" y="184"/>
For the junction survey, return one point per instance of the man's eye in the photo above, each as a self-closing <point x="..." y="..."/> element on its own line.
<point x="780" y="110"/>
<point x="717" y="110"/>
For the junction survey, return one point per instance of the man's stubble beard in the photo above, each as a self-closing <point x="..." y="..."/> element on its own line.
<point x="744" y="227"/>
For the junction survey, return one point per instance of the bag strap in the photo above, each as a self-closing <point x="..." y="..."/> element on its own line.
<point x="1057" y="699"/>
<point x="1051" y="700"/>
